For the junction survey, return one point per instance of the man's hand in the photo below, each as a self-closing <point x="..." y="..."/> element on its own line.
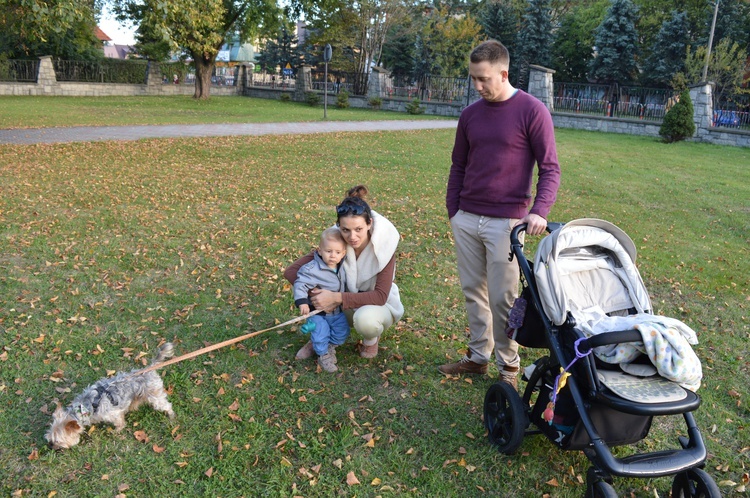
<point x="535" y="224"/>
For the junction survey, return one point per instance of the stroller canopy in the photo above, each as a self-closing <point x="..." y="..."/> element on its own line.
<point x="585" y="263"/>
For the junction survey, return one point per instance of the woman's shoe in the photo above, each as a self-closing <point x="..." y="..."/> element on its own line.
<point x="368" y="351"/>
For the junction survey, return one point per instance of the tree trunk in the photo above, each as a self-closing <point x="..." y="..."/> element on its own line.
<point x="204" y="67"/>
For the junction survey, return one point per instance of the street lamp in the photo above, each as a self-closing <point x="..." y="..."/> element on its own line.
<point x="710" y="42"/>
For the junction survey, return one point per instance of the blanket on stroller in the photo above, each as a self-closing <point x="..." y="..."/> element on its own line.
<point x="666" y="341"/>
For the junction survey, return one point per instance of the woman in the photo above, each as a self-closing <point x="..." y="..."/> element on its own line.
<point x="371" y="301"/>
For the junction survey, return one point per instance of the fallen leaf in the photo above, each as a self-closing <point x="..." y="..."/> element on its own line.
<point x="337" y="463"/>
<point x="209" y="472"/>
<point x="123" y="487"/>
<point x="351" y="479"/>
<point x="376" y="482"/>
<point x="234" y="406"/>
<point x="158" y="449"/>
<point x="553" y="482"/>
<point x="141" y="436"/>
<point x="34" y="455"/>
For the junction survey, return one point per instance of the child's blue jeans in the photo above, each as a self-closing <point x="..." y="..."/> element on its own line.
<point x="329" y="329"/>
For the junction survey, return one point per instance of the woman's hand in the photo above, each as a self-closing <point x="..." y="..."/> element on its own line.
<point x="325" y="300"/>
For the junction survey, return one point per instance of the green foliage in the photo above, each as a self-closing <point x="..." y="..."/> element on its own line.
<point x="285" y="97"/>
<point x="312" y="99"/>
<point x="616" y="44"/>
<point x="201" y="27"/>
<point x="64" y="29"/>
<point x="413" y="107"/>
<point x="726" y="67"/>
<point x="280" y="51"/>
<point x="668" y="55"/>
<point x="499" y="21"/>
<point x="375" y="102"/>
<point x="534" y="44"/>
<point x="342" y="100"/>
<point x="572" y="50"/>
<point x="678" y="122"/>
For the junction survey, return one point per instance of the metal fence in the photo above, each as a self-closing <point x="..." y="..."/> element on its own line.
<point x="733" y="112"/>
<point x="103" y="71"/>
<point x="429" y="88"/>
<point x="340" y="81"/>
<point x="272" y="80"/>
<point x="613" y="100"/>
<point x="19" y="70"/>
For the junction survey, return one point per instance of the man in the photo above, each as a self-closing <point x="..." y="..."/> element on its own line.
<point x="498" y="141"/>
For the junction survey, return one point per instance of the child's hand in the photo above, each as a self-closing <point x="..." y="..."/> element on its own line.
<point x="304" y="309"/>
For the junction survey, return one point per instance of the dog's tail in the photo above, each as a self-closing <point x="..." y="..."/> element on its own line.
<point x="165" y="351"/>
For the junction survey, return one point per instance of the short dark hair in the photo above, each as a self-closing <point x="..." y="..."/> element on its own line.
<point x="491" y="51"/>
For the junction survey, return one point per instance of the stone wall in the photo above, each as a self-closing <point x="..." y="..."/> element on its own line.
<point x="47" y="85"/>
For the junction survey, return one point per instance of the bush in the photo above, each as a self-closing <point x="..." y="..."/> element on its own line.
<point x="312" y="99"/>
<point x="678" y="122"/>
<point x="375" y="102"/>
<point x="285" y="97"/>
<point x="414" y="108"/>
<point x="342" y="100"/>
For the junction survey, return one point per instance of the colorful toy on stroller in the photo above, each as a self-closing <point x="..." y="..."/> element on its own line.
<point x="612" y="365"/>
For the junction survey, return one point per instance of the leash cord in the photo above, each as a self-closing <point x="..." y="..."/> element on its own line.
<point x="220" y="345"/>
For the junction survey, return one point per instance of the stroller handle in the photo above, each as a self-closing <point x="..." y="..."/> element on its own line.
<point x="515" y="244"/>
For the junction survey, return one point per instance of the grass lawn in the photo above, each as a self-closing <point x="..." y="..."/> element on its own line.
<point x="106" y="249"/>
<point x="36" y="112"/>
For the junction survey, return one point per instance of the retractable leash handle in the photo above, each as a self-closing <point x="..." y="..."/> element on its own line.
<point x="220" y="345"/>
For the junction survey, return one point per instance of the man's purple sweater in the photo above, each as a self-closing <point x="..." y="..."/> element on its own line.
<point x="497" y="145"/>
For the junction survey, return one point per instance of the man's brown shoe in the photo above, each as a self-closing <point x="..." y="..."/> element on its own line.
<point x="464" y="366"/>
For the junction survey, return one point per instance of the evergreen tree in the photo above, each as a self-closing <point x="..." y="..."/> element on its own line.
<point x="616" y="45"/>
<point x="280" y="52"/>
<point x="534" y="42"/>
<point x="733" y="22"/>
<point x="678" y="123"/>
<point x="499" y="21"/>
<point x="668" y="53"/>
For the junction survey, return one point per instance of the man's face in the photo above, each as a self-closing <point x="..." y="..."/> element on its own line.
<point x="489" y="79"/>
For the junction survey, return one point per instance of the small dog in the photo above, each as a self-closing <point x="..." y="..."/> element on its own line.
<point x="108" y="400"/>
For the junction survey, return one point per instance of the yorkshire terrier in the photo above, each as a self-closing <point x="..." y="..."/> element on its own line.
<point x="108" y="400"/>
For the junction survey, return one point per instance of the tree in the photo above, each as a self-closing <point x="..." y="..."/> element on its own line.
<point x="678" y="122"/>
<point x="280" y="51"/>
<point x="451" y="39"/>
<point x="499" y="21"/>
<point x="726" y="67"/>
<point x="574" y="41"/>
<point x="201" y="27"/>
<point x="534" y="43"/>
<point x="616" y="45"/>
<point x="357" y="31"/>
<point x="668" y="55"/>
<point x="61" y="28"/>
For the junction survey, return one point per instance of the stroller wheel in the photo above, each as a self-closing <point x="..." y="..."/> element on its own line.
<point x="504" y="417"/>
<point x="694" y="483"/>
<point x="597" y="486"/>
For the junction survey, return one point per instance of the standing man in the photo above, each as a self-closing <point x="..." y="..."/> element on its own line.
<point x="498" y="141"/>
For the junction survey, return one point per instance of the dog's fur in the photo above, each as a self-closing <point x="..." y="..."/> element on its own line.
<point x="108" y="400"/>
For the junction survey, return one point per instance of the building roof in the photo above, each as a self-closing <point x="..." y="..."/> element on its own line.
<point x="101" y="35"/>
<point x="117" y="51"/>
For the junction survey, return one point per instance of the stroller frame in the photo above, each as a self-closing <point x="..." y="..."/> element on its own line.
<point x="508" y="416"/>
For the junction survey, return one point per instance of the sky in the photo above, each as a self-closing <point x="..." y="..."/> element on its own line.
<point x="120" y="34"/>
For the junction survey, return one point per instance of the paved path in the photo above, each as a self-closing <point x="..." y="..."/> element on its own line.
<point x="100" y="133"/>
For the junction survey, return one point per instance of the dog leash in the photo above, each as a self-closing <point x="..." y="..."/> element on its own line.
<point x="228" y="342"/>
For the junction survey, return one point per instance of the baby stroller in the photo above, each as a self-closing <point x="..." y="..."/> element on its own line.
<point x="572" y="396"/>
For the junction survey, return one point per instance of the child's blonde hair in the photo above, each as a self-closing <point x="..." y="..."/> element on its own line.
<point x="332" y="234"/>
